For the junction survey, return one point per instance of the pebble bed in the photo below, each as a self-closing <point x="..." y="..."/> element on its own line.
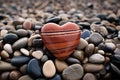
<point x="23" y="55"/>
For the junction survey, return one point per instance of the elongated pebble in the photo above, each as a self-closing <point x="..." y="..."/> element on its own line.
<point x="49" y="69"/>
<point x="25" y="77"/>
<point x="8" y="48"/>
<point x="37" y="54"/>
<point x="4" y="54"/>
<point x="22" y="42"/>
<point x="83" y="43"/>
<point x="6" y="66"/>
<point x="25" y="51"/>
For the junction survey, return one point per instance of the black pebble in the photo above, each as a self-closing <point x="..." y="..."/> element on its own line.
<point x="53" y="20"/>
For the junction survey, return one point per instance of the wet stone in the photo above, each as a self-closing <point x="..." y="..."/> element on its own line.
<point x="73" y="72"/>
<point x="10" y="38"/>
<point x="20" y="60"/>
<point x="34" y="68"/>
<point x="27" y="25"/>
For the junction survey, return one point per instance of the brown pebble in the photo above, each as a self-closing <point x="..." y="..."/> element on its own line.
<point x="83" y="43"/>
<point x="4" y="76"/>
<point x="4" y="54"/>
<point x="27" y="25"/>
<point x="89" y="49"/>
<point x="89" y="76"/>
<point x="60" y="65"/>
<point x="93" y="67"/>
<point x="14" y="75"/>
<point x="23" y="69"/>
<point x="79" y="54"/>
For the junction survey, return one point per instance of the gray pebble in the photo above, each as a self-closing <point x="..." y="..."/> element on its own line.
<point x="89" y="76"/>
<point x="83" y="43"/>
<point x="22" y="32"/>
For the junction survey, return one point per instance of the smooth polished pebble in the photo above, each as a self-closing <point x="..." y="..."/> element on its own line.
<point x="22" y="32"/>
<point x="6" y="66"/>
<point x="73" y="72"/>
<point x="56" y="77"/>
<point x="25" y="51"/>
<point x="89" y="76"/>
<point x="4" y="76"/>
<point x="93" y="67"/>
<point x="8" y="48"/>
<point x="115" y="69"/>
<point x="79" y="54"/>
<point x="14" y="75"/>
<point x="72" y="60"/>
<point x="85" y="34"/>
<point x="96" y="58"/>
<point x="23" y="69"/>
<point x="34" y="68"/>
<point x="25" y="77"/>
<point x="83" y="43"/>
<point x="60" y="65"/>
<point x="4" y="54"/>
<point x="44" y="58"/>
<point x="22" y="42"/>
<point x="37" y="54"/>
<point x="49" y="69"/>
<point x="20" y="60"/>
<point x="17" y="53"/>
<point x="89" y="49"/>
<point x="96" y="38"/>
<point x="27" y="25"/>
<point x="3" y="33"/>
<point x="109" y="47"/>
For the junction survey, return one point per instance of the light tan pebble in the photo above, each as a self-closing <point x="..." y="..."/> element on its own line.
<point x="49" y="69"/>
<point x="6" y="66"/>
<point x="3" y="33"/>
<point x="96" y="58"/>
<point x="101" y="52"/>
<point x="25" y="77"/>
<point x="85" y="60"/>
<point x="93" y="67"/>
<point x="14" y="75"/>
<point x="25" y="51"/>
<point x="89" y="49"/>
<point x="17" y="53"/>
<point x="89" y="76"/>
<point x="37" y="54"/>
<point x="79" y="54"/>
<point x="60" y="65"/>
<point x="83" y="43"/>
<point x="8" y="48"/>
<point x="4" y="54"/>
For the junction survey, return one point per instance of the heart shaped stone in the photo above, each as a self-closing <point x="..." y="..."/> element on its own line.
<point x="61" y="40"/>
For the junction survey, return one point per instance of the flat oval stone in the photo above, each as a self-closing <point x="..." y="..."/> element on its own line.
<point x="4" y="76"/>
<point x="96" y="38"/>
<point x="89" y="49"/>
<point x="79" y="54"/>
<point x="34" y="69"/>
<point x="37" y="54"/>
<point x="85" y="34"/>
<point x="25" y="77"/>
<point x="49" y="69"/>
<point x="20" y="43"/>
<point x="25" y="51"/>
<point x="73" y="72"/>
<point x="71" y="60"/>
<point x="83" y="43"/>
<point x="8" y="48"/>
<point x="96" y="58"/>
<point x="17" y="53"/>
<point x="56" y="77"/>
<point x="22" y="33"/>
<point x="20" y="60"/>
<point x="6" y="66"/>
<point x="14" y="75"/>
<point x="60" y="65"/>
<point x="89" y="76"/>
<point x="23" y="69"/>
<point x="93" y="67"/>
<point x="10" y="38"/>
<point x="4" y="54"/>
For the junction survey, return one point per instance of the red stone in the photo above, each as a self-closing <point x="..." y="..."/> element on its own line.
<point x="61" y="40"/>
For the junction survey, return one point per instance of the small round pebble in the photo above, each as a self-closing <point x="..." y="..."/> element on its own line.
<point x="96" y="58"/>
<point x="83" y="43"/>
<point x="73" y="72"/>
<point x="22" y="33"/>
<point x="14" y="75"/>
<point x="27" y="25"/>
<point x="49" y="69"/>
<point x="4" y="54"/>
<point x="3" y="32"/>
<point x="89" y="49"/>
